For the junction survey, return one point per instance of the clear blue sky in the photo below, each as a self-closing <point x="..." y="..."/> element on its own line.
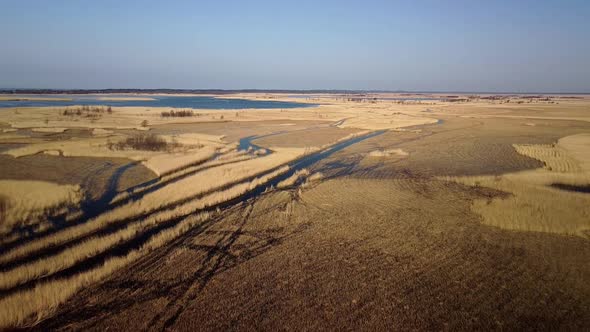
<point x="470" y="45"/>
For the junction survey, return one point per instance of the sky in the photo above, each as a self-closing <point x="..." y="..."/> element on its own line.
<point x="420" y="45"/>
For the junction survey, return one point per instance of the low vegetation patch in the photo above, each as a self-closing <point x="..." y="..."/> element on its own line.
<point x="28" y="203"/>
<point x="180" y="114"/>
<point x="290" y="181"/>
<point x="145" y="142"/>
<point x="87" y="111"/>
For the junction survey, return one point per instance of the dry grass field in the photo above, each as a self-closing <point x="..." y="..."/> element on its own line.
<point x="360" y="213"/>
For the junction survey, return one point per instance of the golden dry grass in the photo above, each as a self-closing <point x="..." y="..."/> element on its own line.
<point x="207" y="180"/>
<point x="555" y="158"/>
<point x="95" y="245"/>
<point x="160" y="162"/>
<point x="288" y="182"/>
<point x="28" y="307"/>
<point x="533" y="204"/>
<point x="19" y="307"/>
<point x="82" y="147"/>
<point x="28" y="201"/>
<point x="193" y="185"/>
<point x="225" y="158"/>
<point x="384" y="204"/>
<point x="101" y="132"/>
<point x="168" y="163"/>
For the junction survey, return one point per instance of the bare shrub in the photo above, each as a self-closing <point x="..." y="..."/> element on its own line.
<point x="145" y="142"/>
<point x="172" y="114"/>
<point x="87" y="111"/>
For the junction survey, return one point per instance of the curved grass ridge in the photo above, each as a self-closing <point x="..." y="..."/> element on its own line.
<point x="25" y="309"/>
<point x="28" y="201"/>
<point x="555" y="158"/>
<point x="536" y="204"/>
<point x="199" y="183"/>
<point x="44" y="298"/>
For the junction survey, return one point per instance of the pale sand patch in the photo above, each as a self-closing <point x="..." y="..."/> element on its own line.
<point x="534" y="205"/>
<point x="29" y="200"/>
<point x="89" y="147"/>
<point x="9" y="130"/>
<point x="167" y="163"/>
<point x="49" y="130"/>
<point x="125" y="99"/>
<point x="27" y="98"/>
<point x="196" y="139"/>
<point x="101" y="132"/>
<point x="391" y="122"/>
<point x="388" y="153"/>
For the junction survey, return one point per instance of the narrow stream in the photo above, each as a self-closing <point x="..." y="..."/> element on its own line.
<point x="306" y="162"/>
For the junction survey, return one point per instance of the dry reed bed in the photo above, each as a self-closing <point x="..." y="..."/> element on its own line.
<point x="312" y="179"/>
<point x="99" y="244"/>
<point x="534" y="205"/>
<point x="29" y="306"/>
<point x="161" y="162"/>
<point x="555" y="158"/>
<point x="26" y="308"/>
<point x="168" y="163"/>
<point x="28" y="202"/>
<point x="87" y="147"/>
<point x="226" y="158"/>
<point x="191" y="186"/>
<point x="207" y="180"/>
<point x="290" y="181"/>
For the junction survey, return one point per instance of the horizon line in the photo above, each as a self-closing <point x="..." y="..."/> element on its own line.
<point x="216" y="90"/>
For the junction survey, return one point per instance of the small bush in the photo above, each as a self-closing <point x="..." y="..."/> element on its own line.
<point x="87" y="111"/>
<point x="145" y="142"/>
<point x="172" y="114"/>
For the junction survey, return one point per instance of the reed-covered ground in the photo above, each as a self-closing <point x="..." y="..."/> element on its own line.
<point x="452" y="224"/>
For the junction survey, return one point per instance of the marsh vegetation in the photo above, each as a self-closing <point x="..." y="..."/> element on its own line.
<point x="149" y="213"/>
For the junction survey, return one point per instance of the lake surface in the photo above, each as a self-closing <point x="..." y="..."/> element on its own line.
<point x="365" y="97"/>
<point x="200" y="102"/>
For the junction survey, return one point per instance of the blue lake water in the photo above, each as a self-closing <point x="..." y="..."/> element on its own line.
<point x="409" y="98"/>
<point x="200" y="102"/>
<point x="366" y="97"/>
